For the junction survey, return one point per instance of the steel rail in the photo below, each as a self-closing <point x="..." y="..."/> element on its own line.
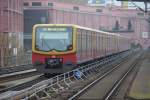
<point x="22" y="85"/>
<point x="119" y="81"/>
<point x="17" y="75"/>
<point x="66" y="78"/>
<point x="94" y="82"/>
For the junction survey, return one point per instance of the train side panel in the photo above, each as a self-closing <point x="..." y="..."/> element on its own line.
<point x="92" y="45"/>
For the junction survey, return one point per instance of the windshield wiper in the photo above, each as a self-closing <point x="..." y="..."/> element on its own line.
<point x="43" y="40"/>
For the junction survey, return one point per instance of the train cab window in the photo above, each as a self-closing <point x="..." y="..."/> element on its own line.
<point x="54" y="38"/>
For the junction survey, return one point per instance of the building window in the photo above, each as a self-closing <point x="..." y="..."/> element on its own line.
<point x="140" y="14"/>
<point x="50" y="4"/>
<point x="26" y="3"/>
<point x="75" y="8"/>
<point x="36" y="4"/>
<point x="99" y="10"/>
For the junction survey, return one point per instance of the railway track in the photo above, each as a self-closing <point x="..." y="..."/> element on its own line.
<point x="107" y="88"/>
<point x="66" y="85"/>
<point x="122" y="91"/>
<point x="17" y="75"/>
<point x="62" y="86"/>
<point x="27" y="82"/>
<point x="19" y="80"/>
<point x="114" y="91"/>
<point x="8" y="70"/>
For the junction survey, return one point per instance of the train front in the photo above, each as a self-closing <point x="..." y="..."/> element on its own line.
<point x="53" y="48"/>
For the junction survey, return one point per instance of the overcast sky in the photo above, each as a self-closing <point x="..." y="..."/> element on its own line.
<point x="141" y="4"/>
<point x="118" y="3"/>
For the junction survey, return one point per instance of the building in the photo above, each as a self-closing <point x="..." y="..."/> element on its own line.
<point x="131" y="22"/>
<point x="11" y="30"/>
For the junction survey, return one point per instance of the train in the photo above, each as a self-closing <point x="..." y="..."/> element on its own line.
<point x="58" y="48"/>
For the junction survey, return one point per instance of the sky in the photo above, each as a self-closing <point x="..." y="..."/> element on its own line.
<point x="118" y="3"/>
<point x="140" y="4"/>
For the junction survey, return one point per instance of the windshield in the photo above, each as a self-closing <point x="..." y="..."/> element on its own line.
<point x="53" y="38"/>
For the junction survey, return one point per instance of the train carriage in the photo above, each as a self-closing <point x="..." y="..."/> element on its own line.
<point x="57" y="48"/>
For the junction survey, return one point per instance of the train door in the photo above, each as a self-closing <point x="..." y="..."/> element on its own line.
<point x="79" y="46"/>
<point x="105" y="44"/>
<point x="109" y="44"/>
<point x="116" y="43"/>
<point x="86" y="40"/>
<point x="93" y="44"/>
<point x="113" y="44"/>
<point x="88" y="44"/>
<point x="90" y="36"/>
<point x="102" y="45"/>
<point x="83" y="45"/>
<point x="98" y="45"/>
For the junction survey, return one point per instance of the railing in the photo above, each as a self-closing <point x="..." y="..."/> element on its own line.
<point x="55" y="85"/>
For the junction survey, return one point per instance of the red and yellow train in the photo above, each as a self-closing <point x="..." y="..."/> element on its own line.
<point x="57" y="48"/>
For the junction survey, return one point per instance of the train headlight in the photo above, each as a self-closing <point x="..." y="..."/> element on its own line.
<point x="61" y="60"/>
<point x="69" y="47"/>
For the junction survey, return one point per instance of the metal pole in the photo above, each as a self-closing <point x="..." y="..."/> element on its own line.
<point x="145" y="6"/>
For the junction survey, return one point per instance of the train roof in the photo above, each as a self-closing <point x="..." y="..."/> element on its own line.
<point x="81" y="27"/>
